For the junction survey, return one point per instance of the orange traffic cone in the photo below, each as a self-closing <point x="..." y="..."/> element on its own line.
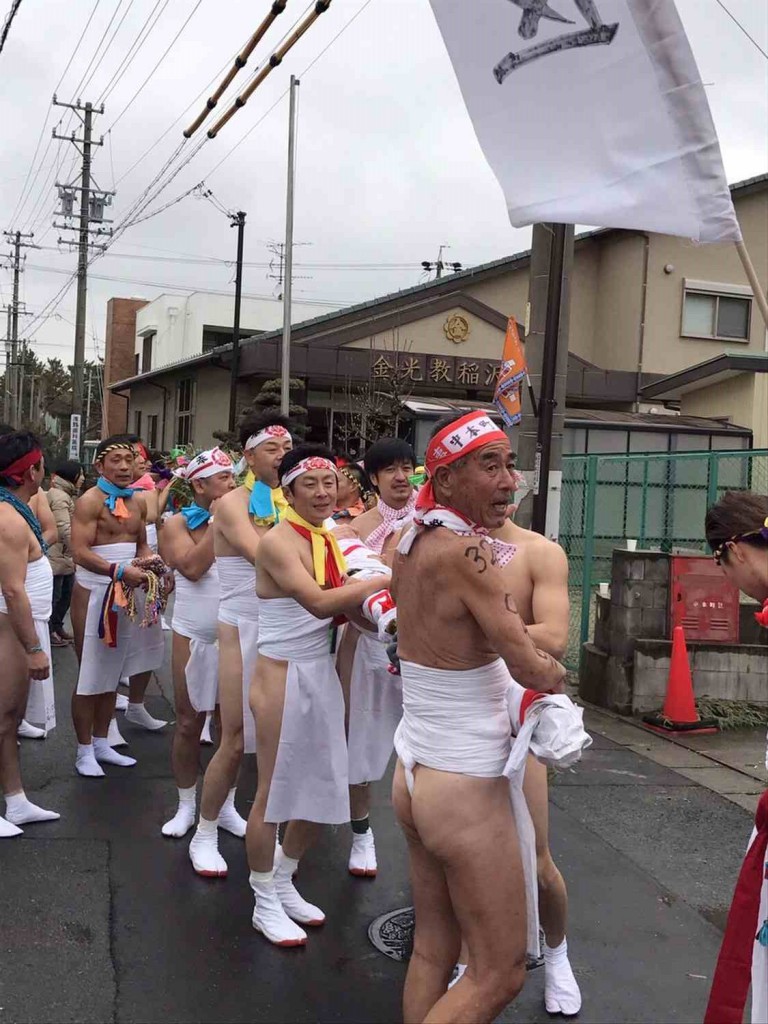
<point x="679" y="713"/>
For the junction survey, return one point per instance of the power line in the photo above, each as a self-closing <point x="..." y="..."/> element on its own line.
<point x="15" y="5"/>
<point x="79" y="86"/>
<point x="154" y="69"/>
<point x="84" y="85"/>
<point x="736" y="21"/>
<point x="77" y="46"/>
<point x="133" y="50"/>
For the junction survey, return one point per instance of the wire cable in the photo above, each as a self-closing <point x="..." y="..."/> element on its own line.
<point x="126" y="12"/>
<point x="133" y="50"/>
<point x="76" y="91"/>
<point x="736" y="21"/>
<point x="15" y="5"/>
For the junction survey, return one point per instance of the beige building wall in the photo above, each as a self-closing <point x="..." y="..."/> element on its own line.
<point x="618" y="299"/>
<point x="732" y="399"/>
<point x="485" y="341"/>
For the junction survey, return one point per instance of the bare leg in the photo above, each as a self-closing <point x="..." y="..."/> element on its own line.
<point x="14" y="689"/>
<point x="221" y="774"/>
<point x="299" y="836"/>
<point x="465" y="824"/>
<point x="138" y="687"/>
<point x="553" y="896"/>
<point x="359" y="801"/>
<point x="185" y="755"/>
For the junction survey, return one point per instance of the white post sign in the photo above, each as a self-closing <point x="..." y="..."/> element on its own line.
<point x="74" y="436"/>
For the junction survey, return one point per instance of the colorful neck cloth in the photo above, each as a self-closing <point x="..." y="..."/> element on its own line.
<point x="115" y="500"/>
<point x="26" y="513"/>
<point x="195" y="515"/>
<point x="441" y="515"/>
<point x="392" y="519"/>
<point x="267" y="505"/>
<point x="328" y="563"/>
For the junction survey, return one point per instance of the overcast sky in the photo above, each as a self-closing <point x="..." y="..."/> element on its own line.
<point x="388" y="165"/>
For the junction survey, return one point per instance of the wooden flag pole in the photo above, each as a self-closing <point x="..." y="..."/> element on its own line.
<point x="757" y="288"/>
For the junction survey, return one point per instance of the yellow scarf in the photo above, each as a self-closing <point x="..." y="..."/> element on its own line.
<point x="268" y="506"/>
<point x="325" y="548"/>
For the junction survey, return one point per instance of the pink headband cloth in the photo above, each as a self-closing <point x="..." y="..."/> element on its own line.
<point x="273" y="432"/>
<point x="307" y="466"/>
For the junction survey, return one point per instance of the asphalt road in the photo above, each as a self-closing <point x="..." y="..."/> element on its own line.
<point x="103" y="920"/>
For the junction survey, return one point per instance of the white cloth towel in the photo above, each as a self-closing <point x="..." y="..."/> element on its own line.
<point x="310" y="781"/>
<point x="375" y="710"/>
<point x="152" y="536"/>
<point x="239" y="607"/>
<point x="138" y="650"/>
<point x="41" y="706"/>
<point x="195" y="616"/>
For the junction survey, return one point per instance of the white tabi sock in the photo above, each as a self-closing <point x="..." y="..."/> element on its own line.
<point x="561" y="990"/>
<point x="121" y="702"/>
<point x="205" y="736"/>
<point x="104" y="753"/>
<point x="8" y="829"/>
<point x="86" y="763"/>
<point x="362" y="856"/>
<point x="137" y="714"/>
<point x="204" y="850"/>
<point x="114" y="736"/>
<point x="27" y="731"/>
<point x="458" y="974"/>
<point x="229" y="819"/>
<point x="269" y="918"/>
<point x="184" y="818"/>
<point x="293" y="903"/>
<point x="21" y="811"/>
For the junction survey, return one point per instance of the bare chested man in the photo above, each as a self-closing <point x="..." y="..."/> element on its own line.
<point x="373" y="695"/>
<point x="108" y="532"/>
<point x="536" y="576"/>
<point x="243" y="517"/>
<point x="26" y="582"/>
<point x="186" y="543"/>
<point x="296" y="695"/>
<point x="460" y="635"/>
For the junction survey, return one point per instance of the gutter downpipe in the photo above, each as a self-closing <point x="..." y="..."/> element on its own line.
<point x="643" y="315"/>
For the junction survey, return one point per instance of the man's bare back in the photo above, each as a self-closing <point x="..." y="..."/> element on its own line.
<point x="234" y="532"/>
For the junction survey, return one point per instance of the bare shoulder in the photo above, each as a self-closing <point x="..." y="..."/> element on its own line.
<point x="547" y="557"/>
<point x="365" y="524"/>
<point x="12" y="525"/>
<point x="174" y="525"/>
<point x="232" y="504"/>
<point x="90" y="502"/>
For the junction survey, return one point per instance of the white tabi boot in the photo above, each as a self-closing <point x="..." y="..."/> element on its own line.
<point x="229" y="819"/>
<point x="184" y="818"/>
<point x="269" y="917"/>
<point x="204" y="850"/>
<point x="362" y="856"/>
<point x="27" y="731"/>
<point x="561" y="990"/>
<point x="294" y="904"/>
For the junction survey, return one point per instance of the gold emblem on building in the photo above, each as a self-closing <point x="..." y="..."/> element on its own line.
<point x="456" y="328"/>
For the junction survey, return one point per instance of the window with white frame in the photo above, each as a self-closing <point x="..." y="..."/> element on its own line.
<point x="720" y="312"/>
<point x="185" y="410"/>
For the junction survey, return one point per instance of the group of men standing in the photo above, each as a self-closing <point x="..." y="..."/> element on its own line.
<point x="283" y="625"/>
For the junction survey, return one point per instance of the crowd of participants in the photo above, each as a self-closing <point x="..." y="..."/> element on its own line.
<point x="324" y="613"/>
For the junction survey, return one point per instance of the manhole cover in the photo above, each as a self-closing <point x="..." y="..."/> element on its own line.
<point x="392" y="933"/>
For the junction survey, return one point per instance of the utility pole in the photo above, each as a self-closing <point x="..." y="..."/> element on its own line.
<point x="236" y="220"/>
<point x="440" y="265"/>
<point x="7" y="378"/>
<point x="92" y="203"/>
<point x="285" y="370"/>
<point x="18" y="242"/>
<point x="546" y="350"/>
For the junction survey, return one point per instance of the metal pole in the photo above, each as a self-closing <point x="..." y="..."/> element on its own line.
<point x="15" y="420"/>
<point x="7" y="382"/>
<point x="285" y="369"/>
<point x="239" y="221"/>
<point x="82" y="268"/>
<point x="548" y="372"/>
<point x="88" y="405"/>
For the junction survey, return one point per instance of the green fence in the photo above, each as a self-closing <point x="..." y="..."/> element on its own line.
<point x="659" y="500"/>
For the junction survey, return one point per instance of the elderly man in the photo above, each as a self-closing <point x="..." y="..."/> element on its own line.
<point x="737" y="532"/>
<point x="460" y="635"/>
<point x="296" y="695"/>
<point x="243" y="517"/>
<point x="26" y="582"/>
<point x="186" y="543"/>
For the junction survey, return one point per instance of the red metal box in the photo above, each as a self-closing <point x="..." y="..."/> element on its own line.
<point x="702" y="601"/>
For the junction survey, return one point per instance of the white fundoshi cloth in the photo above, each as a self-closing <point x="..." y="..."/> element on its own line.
<point x="239" y="607"/>
<point x="41" y="706"/>
<point x="138" y="650"/>
<point x="195" y="616"/>
<point x="310" y="781"/>
<point x="375" y="710"/>
<point x="460" y="722"/>
<point x="152" y="536"/>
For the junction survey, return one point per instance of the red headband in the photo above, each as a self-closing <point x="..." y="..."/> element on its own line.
<point x="465" y="435"/>
<point x="142" y="450"/>
<point x="17" y="469"/>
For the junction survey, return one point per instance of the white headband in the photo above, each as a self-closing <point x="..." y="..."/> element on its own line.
<point x="273" y="432"/>
<point x="205" y="464"/>
<point x="306" y="466"/>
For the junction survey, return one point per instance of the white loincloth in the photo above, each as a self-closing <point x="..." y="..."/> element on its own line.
<point x="760" y="957"/>
<point x="195" y="616"/>
<point x="239" y="607"/>
<point x="310" y="781"/>
<point x="41" y="705"/>
<point x="138" y="650"/>
<point x="375" y="710"/>
<point x="152" y="536"/>
<point x="459" y="722"/>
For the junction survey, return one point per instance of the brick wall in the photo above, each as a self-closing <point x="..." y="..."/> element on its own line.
<point x="119" y="361"/>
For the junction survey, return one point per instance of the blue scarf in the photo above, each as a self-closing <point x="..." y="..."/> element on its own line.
<point x="195" y="515"/>
<point x="261" y="505"/>
<point x="113" y="492"/>
<point x="26" y="514"/>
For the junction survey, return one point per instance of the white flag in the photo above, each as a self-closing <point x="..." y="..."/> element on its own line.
<point x="591" y="112"/>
